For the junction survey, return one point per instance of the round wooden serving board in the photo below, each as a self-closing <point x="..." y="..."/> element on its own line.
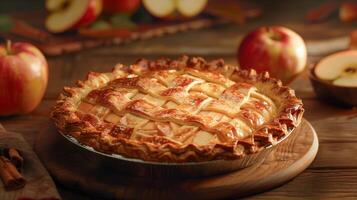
<point x="75" y="169"/>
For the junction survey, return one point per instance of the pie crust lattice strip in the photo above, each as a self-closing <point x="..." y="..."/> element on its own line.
<point x="184" y="110"/>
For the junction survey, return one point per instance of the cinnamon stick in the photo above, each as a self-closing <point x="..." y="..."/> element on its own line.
<point x="9" y="175"/>
<point x="15" y="157"/>
<point x="26" y="30"/>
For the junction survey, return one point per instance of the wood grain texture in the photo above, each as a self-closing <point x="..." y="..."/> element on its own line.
<point x="286" y="161"/>
<point x="317" y="184"/>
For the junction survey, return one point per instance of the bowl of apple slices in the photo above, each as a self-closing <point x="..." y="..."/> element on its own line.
<point x="334" y="78"/>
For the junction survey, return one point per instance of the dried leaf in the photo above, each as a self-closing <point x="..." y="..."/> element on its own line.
<point x="321" y="13"/>
<point x="100" y="25"/>
<point x="122" y="20"/>
<point x="226" y="9"/>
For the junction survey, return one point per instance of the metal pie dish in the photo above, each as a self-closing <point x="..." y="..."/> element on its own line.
<point x="116" y="163"/>
<point x="172" y="159"/>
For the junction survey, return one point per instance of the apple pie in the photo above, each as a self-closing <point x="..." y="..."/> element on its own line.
<point x="184" y="110"/>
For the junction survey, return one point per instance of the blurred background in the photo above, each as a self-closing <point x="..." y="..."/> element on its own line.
<point x="245" y="15"/>
<point x="285" y="37"/>
<point x="212" y="29"/>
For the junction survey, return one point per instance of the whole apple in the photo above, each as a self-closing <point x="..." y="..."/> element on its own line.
<point x="23" y="78"/>
<point x="116" y="6"/>
<point x="278" y="50"/>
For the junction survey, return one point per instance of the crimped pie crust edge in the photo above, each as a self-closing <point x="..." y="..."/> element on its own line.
<point x="288" y="118"/>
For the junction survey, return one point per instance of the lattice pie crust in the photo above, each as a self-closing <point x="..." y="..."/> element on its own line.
<point x="178" y="110"/>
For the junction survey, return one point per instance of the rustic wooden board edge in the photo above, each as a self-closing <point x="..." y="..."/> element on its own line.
<point x="293" y="170"/>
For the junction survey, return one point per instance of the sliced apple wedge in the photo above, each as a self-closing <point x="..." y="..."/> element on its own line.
<point x="189" y="8"/>
<point x="337" y="65"/>
<point x="160" y="8"/>
<point x="69" y="14"/>
<point x="347" y="81"/>
<point x="52" y="5"/>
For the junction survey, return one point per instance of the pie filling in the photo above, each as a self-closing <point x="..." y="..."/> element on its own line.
<point x="178" y="111"/>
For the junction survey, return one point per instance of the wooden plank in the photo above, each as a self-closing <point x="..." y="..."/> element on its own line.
<point x="319" y="110"/>
<point x="311" y="184"/>
<point x="336" y="156"/>
<point x="336" y="129"/>
<point x="27" y="126"/>
<point x="317" y="184"/>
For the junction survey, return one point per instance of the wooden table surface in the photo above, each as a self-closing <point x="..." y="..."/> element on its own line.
<point x="334" y="172"/>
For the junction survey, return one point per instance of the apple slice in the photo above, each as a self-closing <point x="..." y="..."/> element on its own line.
<point x="71" y="14"/>
<point x="337" y="65"/>
<point x="160" y="8"/>
<point x="189" y="8"/>
<point x="346" y="81"/>
<point x="52" y="5"/>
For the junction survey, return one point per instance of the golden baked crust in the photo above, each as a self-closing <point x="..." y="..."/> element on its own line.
<point x="178" y="110"/>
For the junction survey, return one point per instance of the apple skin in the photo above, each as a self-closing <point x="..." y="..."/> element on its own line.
<point x="276" y="49"/>
<point x="124" y="6"/>
<point x="93" y="11"/>
<point x="23" y="78"/>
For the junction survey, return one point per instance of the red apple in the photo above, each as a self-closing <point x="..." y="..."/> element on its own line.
<point x="348" y="12"/>
<point x="278" y="50"/>
<point x="115" y="6"/>
<point x="23" y="78"/>
<point x="67" y="15"/>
